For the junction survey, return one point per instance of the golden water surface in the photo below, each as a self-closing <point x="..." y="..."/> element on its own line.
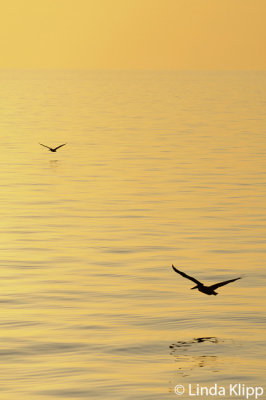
<point x="159" y="169"/>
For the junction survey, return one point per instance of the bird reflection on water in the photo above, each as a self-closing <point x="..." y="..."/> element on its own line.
<point x="189" y="356"/>
<point x="210" y="339"/>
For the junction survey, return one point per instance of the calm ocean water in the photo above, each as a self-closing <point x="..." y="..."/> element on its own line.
<point x="159" y="168"/>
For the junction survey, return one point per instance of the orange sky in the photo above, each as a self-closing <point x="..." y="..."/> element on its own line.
<point x="133" y="34"/>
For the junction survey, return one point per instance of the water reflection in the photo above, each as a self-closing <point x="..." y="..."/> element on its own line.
<point x="190" y="356"/>
<point x="183" y="344"/>
<point x="54" y="164"/>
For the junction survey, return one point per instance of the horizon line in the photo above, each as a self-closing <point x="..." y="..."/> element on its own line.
<point x="128" y="69"/>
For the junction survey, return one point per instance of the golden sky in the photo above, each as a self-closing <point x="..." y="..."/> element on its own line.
<point x="133" y="34"/>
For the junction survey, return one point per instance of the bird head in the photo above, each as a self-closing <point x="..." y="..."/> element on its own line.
<point x="195" y="287"/>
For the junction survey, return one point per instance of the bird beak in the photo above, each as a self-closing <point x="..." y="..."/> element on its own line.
<point x="195" y="287"/>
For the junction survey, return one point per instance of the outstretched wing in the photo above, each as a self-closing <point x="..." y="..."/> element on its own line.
<point x="45" y="146"/>
<point x="216" y="285"/>
<point x="59" y="146"/>
<point x="186" y="276"/>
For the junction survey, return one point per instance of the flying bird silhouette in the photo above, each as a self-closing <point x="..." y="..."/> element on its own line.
<point x="51" y="148"/>
<point x="201" y="287"/>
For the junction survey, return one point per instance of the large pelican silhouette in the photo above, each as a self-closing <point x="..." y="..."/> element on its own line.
<point x="51" y="148"/>
<point x="201" y="287"/>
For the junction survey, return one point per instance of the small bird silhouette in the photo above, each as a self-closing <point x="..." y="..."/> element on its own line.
<point x="51" y="148"/>
<point x="209" y="290"/>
